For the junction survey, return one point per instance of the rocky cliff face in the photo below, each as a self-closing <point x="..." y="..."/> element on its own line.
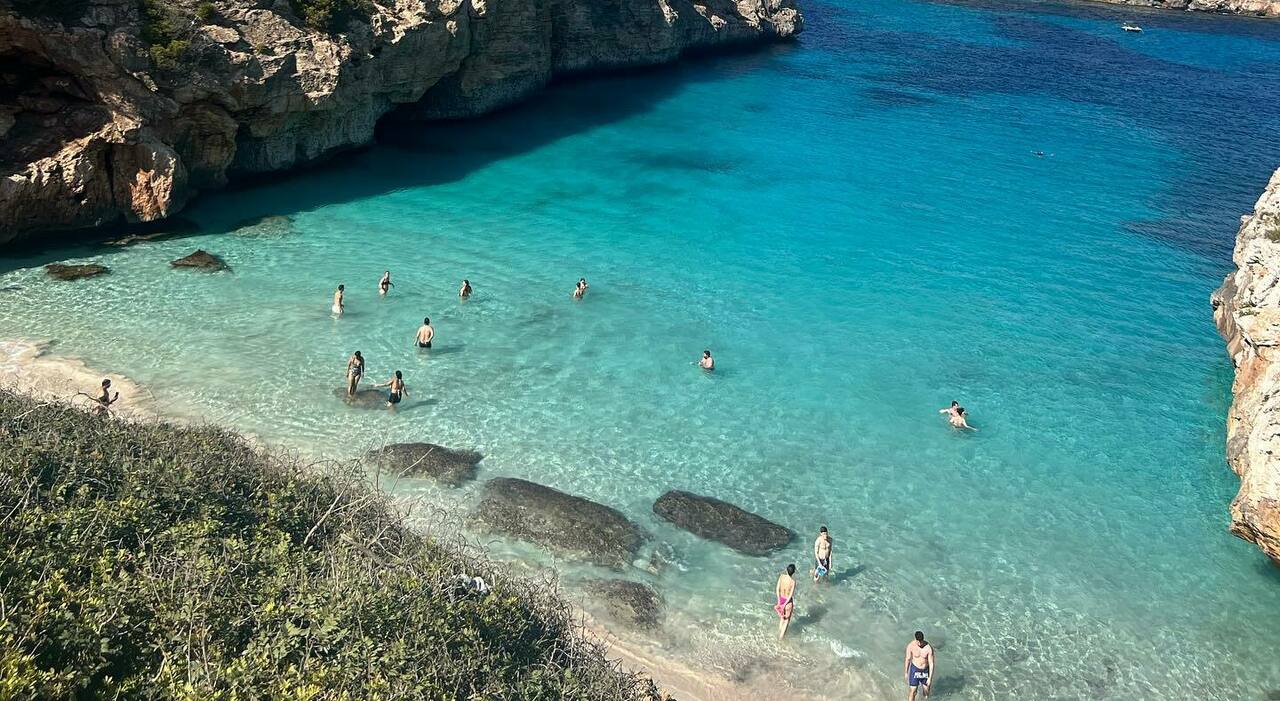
<point x="1247" y="311"/>
<point x="1253" y="8"/>
<point x="121" y="110"/>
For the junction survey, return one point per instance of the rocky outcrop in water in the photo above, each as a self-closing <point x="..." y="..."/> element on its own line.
<point x="444" y="465"/>
<point x="722" y="522"/>
<point x="633" y="603"/>
<point x="121" y="110"/>
<point x="1254" y="8"/>
<point x="201" y="260"/>
<point x="562" y="522"/>
<point x="1247" y="311"/>
<point x="62" y="271"/>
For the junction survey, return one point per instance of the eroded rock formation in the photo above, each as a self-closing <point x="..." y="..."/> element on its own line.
<point x="123" y="109"/>
<point x="1247" y="311"/>
<point x="1253" y="8"/>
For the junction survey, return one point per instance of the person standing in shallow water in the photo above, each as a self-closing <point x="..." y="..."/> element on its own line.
<point x="338" y="306"/>
<point x="106" y="399"/>
<point x="581" y="289"/>
<point x="822" y="554"/>
<point x="707" y="362"/>
<point x="465" y="291"/>
<point x="396" y="390"/>
<point x="921" y="667"/>
<point x="786" y="593"/>
<point x="425" y="333"/>
<point x="384" y="284"/>
<point x="355" y="370"/>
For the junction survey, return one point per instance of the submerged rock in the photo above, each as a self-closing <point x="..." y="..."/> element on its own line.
<point x="201" y="259"/>
<point x="563" y="522"/>
<point x="445" y="465"/>
<point x="722" y="522"/>
<point x="61" y="271"/>
<point x="271" y="225"/>
<point x="633" y="603"/>
<point x="363" y="399"/>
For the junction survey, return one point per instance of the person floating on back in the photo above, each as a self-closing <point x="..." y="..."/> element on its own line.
<point x="385" y="283"/>
<point x="106" y="399"/>
<point x="425" y="333"/>
<point x="465" y="291"/>
<point x="581" y="289"/>
<point x="957" y="416"/>
<point x="707" y="362"/>
<point x="338" y="306"/>
<point x="822" y="554"/>
<point x="786" y="593"/>
<point x="396" y="390"/>
<point x="355" y="370"/>
<point x="921" y="667"/>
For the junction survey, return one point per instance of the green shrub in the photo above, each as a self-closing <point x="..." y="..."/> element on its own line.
<point x="205" y="12"/>
<point x="330" y="15"/>
<point x="159" y="30"/>
<point x="151" y="561"/>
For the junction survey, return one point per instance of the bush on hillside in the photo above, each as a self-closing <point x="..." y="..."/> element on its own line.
<point x="331" y="15"/>
<point x="152" y="561"/>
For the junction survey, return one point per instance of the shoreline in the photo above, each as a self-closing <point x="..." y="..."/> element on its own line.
<point x="33" y="368"/>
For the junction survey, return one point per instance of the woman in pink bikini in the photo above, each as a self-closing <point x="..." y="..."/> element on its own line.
<point x="786" y="593"/>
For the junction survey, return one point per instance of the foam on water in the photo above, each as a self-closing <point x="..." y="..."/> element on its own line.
<point x="859" y="229"/>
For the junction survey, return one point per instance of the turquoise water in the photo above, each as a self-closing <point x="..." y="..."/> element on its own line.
<point x="858" y="228"/>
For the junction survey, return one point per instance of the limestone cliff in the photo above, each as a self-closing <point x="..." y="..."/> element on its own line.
<point x="121" y="110"/>
<point x="1247" y="311"/>
<point x="1253" y="8"/>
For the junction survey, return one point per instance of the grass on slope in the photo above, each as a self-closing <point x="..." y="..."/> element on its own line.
<point x="152" y="561"/>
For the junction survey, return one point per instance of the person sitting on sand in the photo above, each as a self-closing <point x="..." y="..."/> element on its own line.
<point x="707" y="362"/>
<point x="786" y="593"/>
<point x="956" y="416"/>
<point x="385" y="283"/>
<point x="355" y="370"/>
<point x="822" y="554"/>
<point x="465" y="291"/>
<point x="106" y="399"/>
<point x="397" y="390"/>
<point x="581" y="289"/>
<point x="425" y="333"/>
<point x="921" y="666"/>
<point x="338" y="306"/>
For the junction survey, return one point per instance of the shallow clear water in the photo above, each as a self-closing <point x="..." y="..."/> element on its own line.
<point x="857" y="226"/>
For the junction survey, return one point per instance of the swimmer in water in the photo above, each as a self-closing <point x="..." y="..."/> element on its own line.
<point x="957" y="417"/>
<point x="385" y="283"/>
<point x="355" y="370"/>
<point x="465" y="291"/>
<point x="425" y="333"/>
<point x="581" y="289"/>
<point x="920" y="664"/>
<point x="106" y="399"/>
<point x="822" y="554"/>
<point x="786" y="593"/>
<point x="397" y="390"/>
<point x="338" y="306"/>
<point x="707" y="362"/>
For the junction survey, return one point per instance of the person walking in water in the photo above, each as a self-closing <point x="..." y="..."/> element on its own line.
<point x="464" y="292"/>
<point x="786" y="593"/>
<point x="106" y="399"/>
<point x="425" y="333"/>
<point x="707" y="362"/>
<point x="956" y="416"/>
<point x="822" y="555"/>
<point x="921" y="667"/>
<point x="581" y="289"/>
<point x="385" y="283"/>
<point x="396" y="390"/>
<point x="355" y="370"/>
<point x="338" y="306"/>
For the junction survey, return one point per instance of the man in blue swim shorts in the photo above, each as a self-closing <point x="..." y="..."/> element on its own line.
<point x="920" y="664"/>
<point x="822" y="554"/>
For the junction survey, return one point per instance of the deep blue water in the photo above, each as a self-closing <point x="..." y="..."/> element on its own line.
<point x="859" y="228"/>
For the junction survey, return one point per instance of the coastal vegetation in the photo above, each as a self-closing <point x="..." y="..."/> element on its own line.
<point x="162" y="561"/>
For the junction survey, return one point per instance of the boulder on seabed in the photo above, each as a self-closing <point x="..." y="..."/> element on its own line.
<point x="363" y="398"/>
<point x="62" y="271"/>
<point x="634" y="603"/>
<point x="270" y="225"/>
<point x="445" y="465"/>
<point x="563" y="522"/>
<point x="201" y="259"/>
<point x="722" y="522"/>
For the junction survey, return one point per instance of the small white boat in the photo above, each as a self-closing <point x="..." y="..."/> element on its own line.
<point x="1131" y="28"/>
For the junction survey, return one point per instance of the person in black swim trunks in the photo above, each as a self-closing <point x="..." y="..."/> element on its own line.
<point x="425" y="334"/>
<point x="397" y="390"/>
